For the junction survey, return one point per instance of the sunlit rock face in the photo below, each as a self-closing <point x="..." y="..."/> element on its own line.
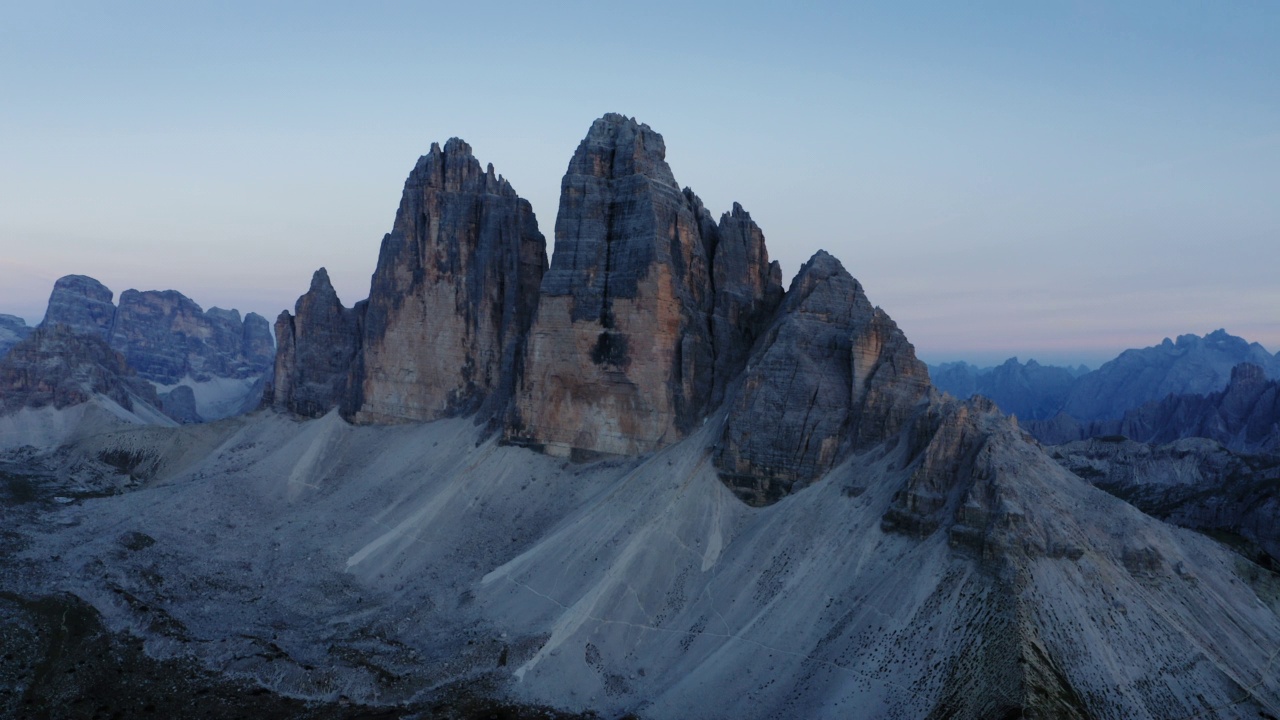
<point x="833" y="374"/>
<point x="452" y="297"/>
<point x="634" y="340"/>
<point x="317" y="347"/>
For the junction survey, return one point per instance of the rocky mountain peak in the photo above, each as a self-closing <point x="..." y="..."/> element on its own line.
<point x="13" y="330"/>
<point x="618" y="147"/>
<point x="317" y="348"/>
<point x="169" y="340"/>
<point x="830" y="376"/>
<point x="58" y="365"/>
<point x="82" y="304"/>
<point x="646" y="313"/>
<point x="463" y="261"/>
<point x="1247" y="374"/>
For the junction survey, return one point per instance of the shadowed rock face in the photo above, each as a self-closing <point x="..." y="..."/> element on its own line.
<point x="748" y="289"/>
<point x="82" y="304"/>
<point x="1195" y="483"/>
<point x="60" y="366"/>
<point x="13" y="330"/>
<point x="1191" y="365"/>
<point x="832" y="375"/>
<point x="1245" y="416"/>
<point x="453" y="294"/>
<point x="317" y="348"/>
<point x="648" y="310"/>
<point x="164" y="335"/>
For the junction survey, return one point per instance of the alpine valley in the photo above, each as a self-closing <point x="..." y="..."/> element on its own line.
<point x="641" y="480"/>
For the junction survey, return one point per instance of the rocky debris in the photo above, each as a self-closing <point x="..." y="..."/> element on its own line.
<point x="82" y="304"/>
<point x="13" y="330"/>
<point x="60" y="366"/>
<point x="317" y="351"/>
<point x="647" y="311"/>
<point x="831" y="375"/>
<point x="1245" y="416"/>
<point x="452" y="297"/>
<point x="1194" y="483"/>
<point x="1191" y="365"/>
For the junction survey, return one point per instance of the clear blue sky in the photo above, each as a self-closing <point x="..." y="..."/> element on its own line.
<point x="1057" y="180"/>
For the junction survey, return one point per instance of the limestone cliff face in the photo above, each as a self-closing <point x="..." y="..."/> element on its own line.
<point x="626" y="354"/>
<point x="748" y="289"/>
<point x="831" y="375"/>
<point x="58" y="365"/>
<point x="13" y="330"/>
<point x="317" y="345"/>
<point x="452" y="296"/>
<point x="166" y="336"/>
<point x="82" y="304"/>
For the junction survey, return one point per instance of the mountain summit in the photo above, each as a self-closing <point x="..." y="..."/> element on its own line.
<point x="642" y="481"/>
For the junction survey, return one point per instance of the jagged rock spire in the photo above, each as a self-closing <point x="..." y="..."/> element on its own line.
<point x="623" y="355"/>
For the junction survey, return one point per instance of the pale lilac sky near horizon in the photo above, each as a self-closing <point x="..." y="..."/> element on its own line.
<point x="1056" y="180"/>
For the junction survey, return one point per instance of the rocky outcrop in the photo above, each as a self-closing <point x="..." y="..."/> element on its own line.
<point x="452" y="296"/>
<point x="747" y="290"/>
<point x="167" y="337"/>
<point x="60" y="366"/>
<point x="180" y="404"/>
<point x="649" y="307"/>
<point x="831" y="375"/>
<point x="317" y="345"/>
<point x="1194" y="483"/>
<point x="13" y="330"/>
<point x="1244" y="416"/>
<point x="83" y="305"/>
<point x="170" y="341"/>
<point x="1191" y="365"/>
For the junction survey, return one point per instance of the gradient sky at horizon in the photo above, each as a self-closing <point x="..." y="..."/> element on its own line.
<point x="1057" y="180"/>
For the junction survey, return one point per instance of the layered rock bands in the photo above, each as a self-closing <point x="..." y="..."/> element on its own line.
<point x="649" y="309"/>
<point x="651" y="317"/>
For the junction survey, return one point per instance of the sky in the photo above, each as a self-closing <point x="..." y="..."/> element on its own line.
<point x="1049" y="180"/>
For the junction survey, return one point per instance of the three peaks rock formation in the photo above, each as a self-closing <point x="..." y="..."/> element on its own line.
<point x="651" y="318"/>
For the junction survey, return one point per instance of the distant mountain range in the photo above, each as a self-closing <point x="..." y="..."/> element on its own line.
<point x="201" y="365"/>
<point x="1190" y="365"/>
<point x="642" y="480"/>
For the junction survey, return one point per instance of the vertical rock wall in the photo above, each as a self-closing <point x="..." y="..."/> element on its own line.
<point x="453" y="294"/>
<point x="623" y="355"/>
<point x="832" y="374"/>
<point x="317" y="347"/>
